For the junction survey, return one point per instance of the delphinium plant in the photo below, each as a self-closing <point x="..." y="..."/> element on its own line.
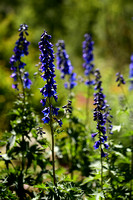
<point x="49" y="92"/>
<point x="88" y="67"/>
<point x="118" y="160"/>
<point x="101" y="117"/>
<point x="60" y="188"/>
<point x="66" y="69"/>
<point x="130" y="119"/>
<point x="73" y="146"/>
<point x="131" y="88"/>
<point x="23" y="150"/>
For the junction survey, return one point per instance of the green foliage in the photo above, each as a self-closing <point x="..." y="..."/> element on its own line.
<point x="74" y="148"/>
<point x="24" y="150"/>
<point x="64" y="190"/>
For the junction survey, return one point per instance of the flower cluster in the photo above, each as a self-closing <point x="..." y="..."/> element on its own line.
<point x="120" y="79"/>
<point x="17" y="65"/>
<point x="101" y="115"/>
<point x="88" y="58"/>
<point x="131" y="73"/>
<point x="48" y="74"/>
<point x="64" y="65"/>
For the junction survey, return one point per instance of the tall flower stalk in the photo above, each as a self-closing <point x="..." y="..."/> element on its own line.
<point x="101" y="116"/>
<point x="66" y="69"/>
<point x="88" y="57"/>
<point x="19" y="74"/>
<point x="21" y="125"/>
<point x="131" y="88"/>
<point x="49" y="90"/>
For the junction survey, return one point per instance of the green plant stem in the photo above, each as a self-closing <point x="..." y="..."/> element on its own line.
<point x="131" y="184"/>
<point x="53" y="160"/>
<point x="52" y="137"/>
<point x="101" y="171"/>
<point x="70" y="129"/>
<point x="23" y="158"/>
<point x="87" y="105"/>
<point x="71" y="153"/>
<point x="21" y="187"/>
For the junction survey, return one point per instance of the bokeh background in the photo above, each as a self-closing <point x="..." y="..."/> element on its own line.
<point x="110" y="23"/>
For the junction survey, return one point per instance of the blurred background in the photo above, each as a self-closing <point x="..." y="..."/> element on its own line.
<point x="110" y="23"/>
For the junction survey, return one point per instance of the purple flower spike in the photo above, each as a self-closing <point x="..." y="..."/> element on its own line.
<point x="17" y="66"/>
<point x="65" y="66"/>
<point x="88" y="57"/>
<point x="120" y="79"/>
<point x="101" y="115"/>
<point x="48" y="74"/>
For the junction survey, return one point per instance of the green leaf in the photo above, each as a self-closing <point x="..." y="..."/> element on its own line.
<point x="98" y="195"/>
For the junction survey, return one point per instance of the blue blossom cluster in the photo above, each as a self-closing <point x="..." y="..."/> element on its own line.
<point x="101" y="115"/>
<point x="88" y="57"/>
<point x="48" y="74"/>
<point x="64" y="65"/>
<point x="131" y="73"/>
<point x="120" y="79"/>
<point x="17" y="65"/>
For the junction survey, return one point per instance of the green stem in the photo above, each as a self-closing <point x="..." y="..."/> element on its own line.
<point x="70" y="129"/>
<point x="52" y="137"/>
<point x="53" y="160"/>
<point x="21" y="193"/>
<point x="87" y="105"/>
<point x="101" y="170"/>
<point x="131" y="184"/>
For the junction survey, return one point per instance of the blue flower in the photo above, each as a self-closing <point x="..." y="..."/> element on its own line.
<point x="27" y="82"/>
<point x="97" y="144"/>
<point x="46" y="119"/>
<point x="48" y="74"/>
<point x="43" y="101"/>
<point x="17" y="66"/>
<point x="46" y="111"/>
<point x="93" y="135"/>
<point x="65" y="66"/>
